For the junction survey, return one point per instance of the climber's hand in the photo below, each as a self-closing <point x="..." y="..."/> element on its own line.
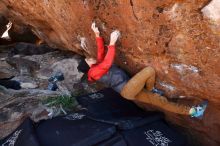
<point x="9" y="25"/>
<point x="95" y="29"/>
<point x="114" y="37"/>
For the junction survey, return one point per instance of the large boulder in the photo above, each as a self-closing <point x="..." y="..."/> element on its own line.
<point x="172" y="36"/>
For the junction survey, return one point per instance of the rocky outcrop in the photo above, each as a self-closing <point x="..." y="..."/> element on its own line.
<point x="32" y="97"/>
<point x="175" y="37"/>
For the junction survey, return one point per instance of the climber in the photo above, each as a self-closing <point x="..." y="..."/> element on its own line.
<point x="102" y="69"/>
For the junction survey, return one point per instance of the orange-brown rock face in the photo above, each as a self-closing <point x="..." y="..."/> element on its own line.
<point x="173" y="36"/>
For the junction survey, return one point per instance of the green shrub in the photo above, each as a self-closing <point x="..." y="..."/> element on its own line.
<point x="67" y="102"/>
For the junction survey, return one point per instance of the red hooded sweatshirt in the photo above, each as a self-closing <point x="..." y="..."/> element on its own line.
<point x="104" y="63"/>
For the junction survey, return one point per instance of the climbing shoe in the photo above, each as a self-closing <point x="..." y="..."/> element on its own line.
<point x="198" y="111"/>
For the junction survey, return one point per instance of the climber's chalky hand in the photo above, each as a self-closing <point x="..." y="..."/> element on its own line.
<point x="114" y="37"/>
<point x="95" y="29"/>
<point x="9" y="25"/>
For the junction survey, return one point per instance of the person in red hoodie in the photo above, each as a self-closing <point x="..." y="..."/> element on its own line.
<point x="139" y="88"/>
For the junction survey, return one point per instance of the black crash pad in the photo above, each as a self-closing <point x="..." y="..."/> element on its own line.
<point x="110" y="107"/>
<point x="73" y="130"/>
<point x="116" y="140"/>
<point x="24" y="135"/>
<point x="157" y="133"/>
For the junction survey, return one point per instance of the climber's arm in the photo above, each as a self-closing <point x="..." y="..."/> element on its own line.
<point x="97" y="71"/>
<point x="99" y="42"/>
<point x="100" y="49"/>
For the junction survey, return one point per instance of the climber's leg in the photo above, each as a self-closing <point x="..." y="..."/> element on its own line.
<point x="134" y="90"/>
<point x="162" y="102"/>
<point x="145" y="77"/>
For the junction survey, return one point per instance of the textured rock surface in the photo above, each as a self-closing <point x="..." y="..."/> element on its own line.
<point x="173" y="36"/>
<point x="32" y="99"/>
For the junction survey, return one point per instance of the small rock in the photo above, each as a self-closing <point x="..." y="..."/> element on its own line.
<point x="28" y="85"/>
<point x="26" y="82"/>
